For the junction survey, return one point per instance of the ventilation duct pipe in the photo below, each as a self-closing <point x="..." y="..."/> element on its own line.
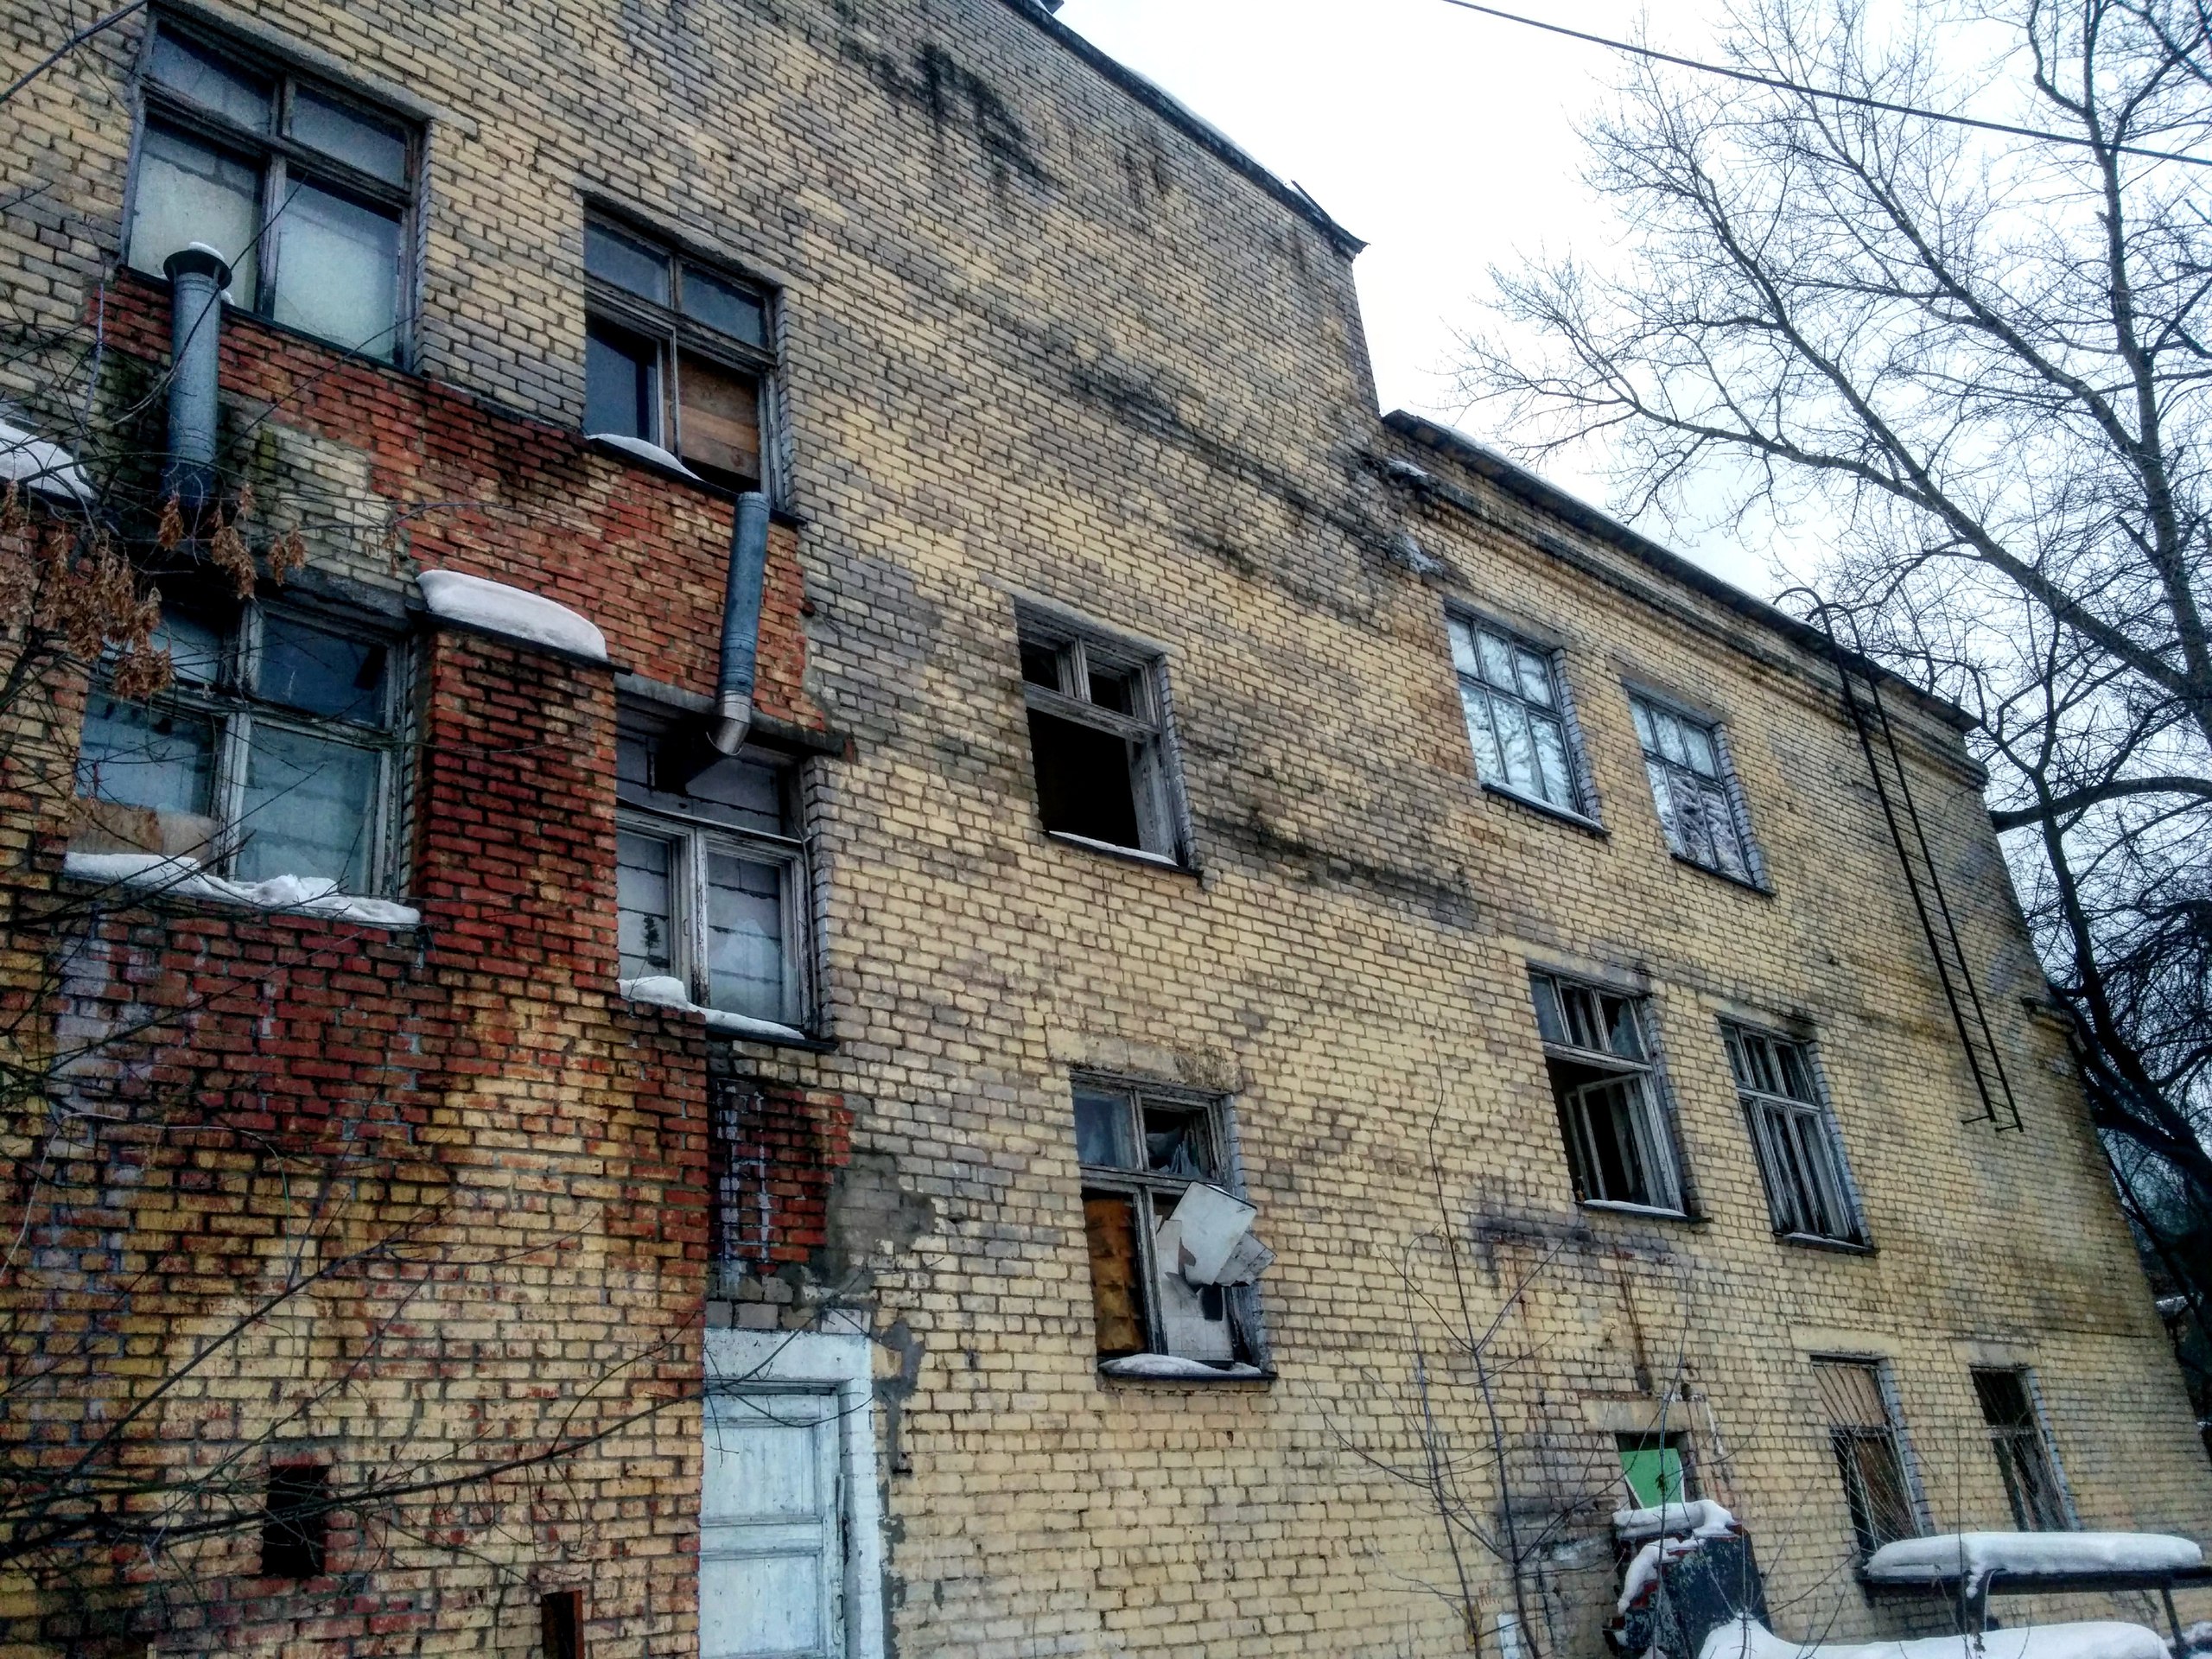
<point x="198" y="274"/>
<point x="749" y="564"/>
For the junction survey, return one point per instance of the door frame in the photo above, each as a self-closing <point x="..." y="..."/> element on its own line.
<point x="839" y="1359"/>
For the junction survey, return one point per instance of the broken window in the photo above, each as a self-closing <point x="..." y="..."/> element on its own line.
<point x="561" y="1624"/>
<point x="1620" y="1144"/>
<point x="1657" y="1469"/>
<point x="2016" y="1434"/>
<point x="295" y="1521"/>
<point x="304" y="188"/>
<point x="1694" y="788"/>
<point x="1098" y="738"/>
<point x="1868" y="1443"/>
<point x="677" y="355"/>
<point x="1155" y="1166"/>
<point x="1806" y="1189"/>
<point x="272" y="753"/>
<point x="709" y="873"/>
<point x="1515" y="701"/>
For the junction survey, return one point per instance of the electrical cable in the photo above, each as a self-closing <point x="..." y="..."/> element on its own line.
<point x="1755" y="78"/>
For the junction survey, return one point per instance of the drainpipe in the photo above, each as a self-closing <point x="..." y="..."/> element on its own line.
<point x="748" y="563"/>
<point x="198" y="274"/>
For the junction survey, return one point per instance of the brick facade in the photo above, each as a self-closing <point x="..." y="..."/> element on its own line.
<point x="1041" y="338"/>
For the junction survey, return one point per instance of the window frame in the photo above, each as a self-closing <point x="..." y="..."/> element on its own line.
<point x="1891" y="1430"/>
<point x="1660" y="1135"/>
<point x="1583" y="808"/>
<point x="232" y="704"/>
<point x="2035" y="1432"/>
<point x="1759" y="1103"/>
<point x="274" y="154"/>
<point x="1155" y="786"/>
<point x="1146" y="1187"/>
<point x="1643" y="699"/>
<point x="1680" y="1441"/>
<point x="694" y="838"/>
<point x="671" y="332"/>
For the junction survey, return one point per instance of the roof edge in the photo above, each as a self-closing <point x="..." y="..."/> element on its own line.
<point x="1191" y="124"/>
<point x="1517" y="479"/>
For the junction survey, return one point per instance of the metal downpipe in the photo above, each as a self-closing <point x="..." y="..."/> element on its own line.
<point x="198" y="274"/>
<point x="749" y="564"/>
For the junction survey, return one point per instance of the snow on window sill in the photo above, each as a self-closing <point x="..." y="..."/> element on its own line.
<point x="41" y="467"/>
<point x="1114" y="850"/>
<point x="644" y="449"/>
<point x="662" y="991"/>
<point x="1821" y="1242"/>
<point x="1173" y="1368"/>
<point x="183" y="877"/>
<point x="1621" y="1207"/>
<point x="512" y="613"/>
<point x="1568" y="815"/>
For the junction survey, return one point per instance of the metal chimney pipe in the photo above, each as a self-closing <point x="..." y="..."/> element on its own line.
<point x="749" y="564"/>
<point x="198" y="274"/>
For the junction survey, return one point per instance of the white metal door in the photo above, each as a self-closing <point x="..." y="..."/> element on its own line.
<point x="772" y="1558"/>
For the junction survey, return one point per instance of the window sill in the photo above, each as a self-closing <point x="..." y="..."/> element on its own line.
<point x="150" y="875"/>
<point x="1535" y="803"/>
<point x="1134" y="854"/>
<point x="1175" y="1369"/>
<point x="1744" y="881"/>
<point x="1614" y="1206"/>
<point x="1815" y="1242"/>
<point x="668" y="996"/>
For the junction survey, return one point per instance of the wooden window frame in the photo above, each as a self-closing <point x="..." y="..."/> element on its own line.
<point x="1843" y="1438"/>
<point x="1146" y="1189"/>
<point x="2013" y="1443"/>
<point x="672" y="333"/>
<point x="1155" y="782"/>
<point x="1809" y="1120"/>
<point x="1658" y="1144"/>
<point x="1659" y="766"/>
<point x="693" y="838"/>
<point x="1581" y="805"/>
<point x="275" y="155"/>
<point x="232" y="706"/>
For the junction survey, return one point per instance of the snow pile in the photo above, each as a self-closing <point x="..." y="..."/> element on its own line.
<point x="664" y="991"/>
<point x="37" y="465"/>
<point x="311" y="895"/>
<point x="1173" y="1368"/>
<point x="497" y="608"/>
<point x="1684" y="1527"/>
<point x="1972" y="1556"/>
<point x="1702" y="1517"/>
<point x="1745" y="1639"/>
<point x="645" y="451"/>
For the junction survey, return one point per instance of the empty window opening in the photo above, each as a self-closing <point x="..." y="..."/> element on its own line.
<point x="295" y="1521"/>
<point x="1620" y="1144"/>
<point x="1657" y="1469"/>
<point x="2016" y="1435"/>
<point x="1141" y="1152"/>
<point x="272" y="753"/>
<point x="305" y="190"/>
<point x="1692" y="788"/>
<point x="561" y="1621"/>
<point x="1515" y="702"/>
<point x="677" y="355"/>
<point x="1865" y="1434"/>
<point x="1098" y="739"/>
<point x="710" y="887"/>
<point x="1800" y="1155"/>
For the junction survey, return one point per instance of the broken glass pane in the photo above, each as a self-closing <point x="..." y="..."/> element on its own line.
<point x="195" y="649"/>
<point x="643" y="900"/>
<point x="1102" y="1129"/>
<point x="1177" y="1143"/>
<point x="322" y="673"/>
<point x="309" y="807"/>
<point x="1548" y="1022"/>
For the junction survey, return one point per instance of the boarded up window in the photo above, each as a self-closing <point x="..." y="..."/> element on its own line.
<point x="718" y="425"/>
<point x="1110" y="1222"/>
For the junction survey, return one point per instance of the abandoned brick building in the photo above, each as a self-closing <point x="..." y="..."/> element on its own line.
<point x="903" y="943"/>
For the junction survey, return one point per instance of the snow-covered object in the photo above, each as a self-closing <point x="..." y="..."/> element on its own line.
<point x="1972" y="1556"/>
<point x="644" y="450"/>
<point x="311" y="895"/>
<point x="1745" y="1638"/>
<point x="47" y="468"/>
<point x="497" y="608"/>
<point x="664" y="991"/>
<point x="1699" y="1517"/>
<point x="1173" y="1368"/>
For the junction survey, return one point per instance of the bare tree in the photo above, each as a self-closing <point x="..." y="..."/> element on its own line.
<point x="1975" y="367"/>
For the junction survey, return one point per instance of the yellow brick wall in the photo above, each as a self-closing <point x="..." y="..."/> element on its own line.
<point x="1037" y="342"/>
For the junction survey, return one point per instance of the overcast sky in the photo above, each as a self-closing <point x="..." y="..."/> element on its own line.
<point x="1444" y="138"/>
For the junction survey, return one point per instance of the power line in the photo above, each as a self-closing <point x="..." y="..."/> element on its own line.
<point x="1756" y="79"/>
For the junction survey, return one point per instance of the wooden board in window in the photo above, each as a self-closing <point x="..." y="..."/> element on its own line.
<point x="1111" y="1223"/>
<point x="721" y="421"/>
